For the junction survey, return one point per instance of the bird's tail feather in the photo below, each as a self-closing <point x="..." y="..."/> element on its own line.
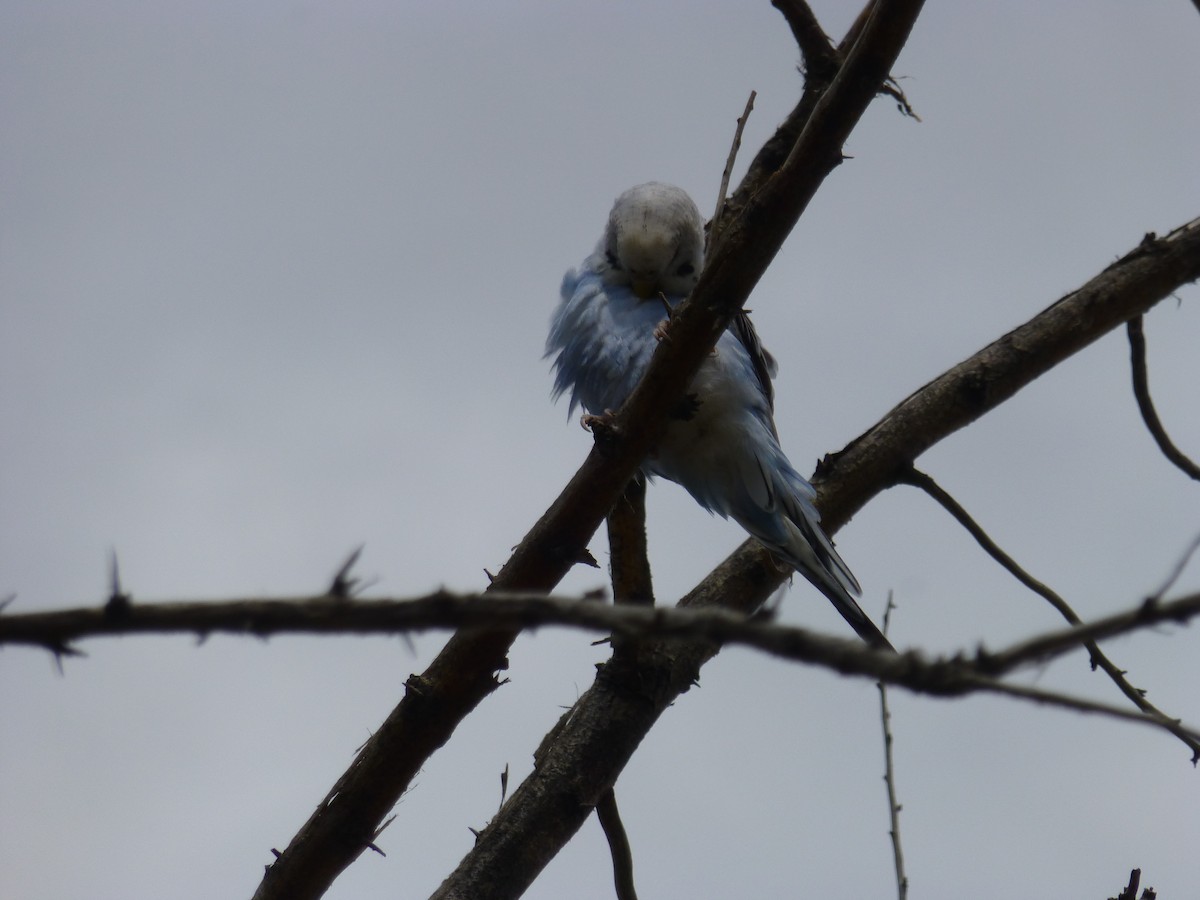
<point x="812" y="554"/>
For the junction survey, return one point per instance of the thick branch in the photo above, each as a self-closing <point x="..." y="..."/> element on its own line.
<point x="1131" y="285"/>
<point x="632" y="581"/>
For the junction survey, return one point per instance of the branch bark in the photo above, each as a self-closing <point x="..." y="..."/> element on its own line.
<point x="700" y="617"/>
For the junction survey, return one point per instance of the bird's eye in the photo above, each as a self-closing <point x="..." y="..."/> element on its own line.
<point x="685" y="269"/>
<point x="612" y="259"/>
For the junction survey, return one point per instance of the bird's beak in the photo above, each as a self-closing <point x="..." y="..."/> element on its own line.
<point x="645" y="290"/>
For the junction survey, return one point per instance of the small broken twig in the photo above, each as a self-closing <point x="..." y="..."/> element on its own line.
<point x="714" y="226"/>
<point x="618" y="845"/>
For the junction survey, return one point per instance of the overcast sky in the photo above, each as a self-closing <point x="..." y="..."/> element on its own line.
<point x="274" y="282"/>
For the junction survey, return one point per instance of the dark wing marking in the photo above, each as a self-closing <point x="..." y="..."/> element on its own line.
<point x="764" y="362"/>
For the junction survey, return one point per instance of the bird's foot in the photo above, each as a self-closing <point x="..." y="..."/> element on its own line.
<point x="598" y="424"/>
<point x="603" y="428"/>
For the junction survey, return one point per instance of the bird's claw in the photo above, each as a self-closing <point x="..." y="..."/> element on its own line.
<point x="598" y="424"/>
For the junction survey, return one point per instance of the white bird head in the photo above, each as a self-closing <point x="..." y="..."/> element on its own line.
<point x="654" y="242"/>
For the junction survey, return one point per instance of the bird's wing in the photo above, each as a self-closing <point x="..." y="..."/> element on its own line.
<point x="763" y="362"/>
<point x="603" y="336"/>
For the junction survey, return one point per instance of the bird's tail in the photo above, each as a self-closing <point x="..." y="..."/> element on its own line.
<point x="776" y="505"/>
<point x="811" y="552"/>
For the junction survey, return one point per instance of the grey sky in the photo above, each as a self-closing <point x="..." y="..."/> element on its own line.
<point x="274" y="281"/>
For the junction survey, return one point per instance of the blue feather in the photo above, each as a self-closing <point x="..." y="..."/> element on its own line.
<point x="725" y="451"/>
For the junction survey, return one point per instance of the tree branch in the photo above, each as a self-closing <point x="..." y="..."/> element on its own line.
<point x="714" y="226"/>
<point x="632" y="583"/>
<point x="699" y="619"/>
<point x="1141" y="390"/>
<point x="889" y="773"/>
<point x="1099" y="659"/>
<point x="820" y="58"/>
<point x="618" y="845"/>
<point x="629" y="561"/>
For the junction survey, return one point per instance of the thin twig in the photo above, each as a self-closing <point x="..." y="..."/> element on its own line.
<point x="714" y="227"/>
<point x="916" y="478"/>
<point x="618" y="845"/>
<point x="629" y="563"/>
<point x="1099" y="659"/>
<point x="1174" y="574"/>
<point x="1081" y="704"/>
<point x="1141" y="390"/>
<point x="889" y="771"/>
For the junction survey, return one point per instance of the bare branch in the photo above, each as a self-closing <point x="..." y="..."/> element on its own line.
<point x="919" y="479"/>
<point x="1149" y="613"/>
<point x="1078" y="704"/>
<point x="821" y="60"/>
<point x="698" y="620"/>
<point x="1141" y="390"/>
<point x="631" y="581"/>
<point x="1135" y="877"/>
<point x="323" y="614"/>
<point x="629" y="562"/>
<point x="889" y="772"/>
<point x="714" y="226"/>
<point x="618" y="844"/>
<point x="1174" y="574"/>
<point x="1140" y="279"/>
<point x="1099" y="659"/>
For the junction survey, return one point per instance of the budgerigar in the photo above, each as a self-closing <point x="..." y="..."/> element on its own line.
<point x="721" y="444"/>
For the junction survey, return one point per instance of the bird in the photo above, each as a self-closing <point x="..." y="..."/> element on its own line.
<point x="721" y="443"/>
